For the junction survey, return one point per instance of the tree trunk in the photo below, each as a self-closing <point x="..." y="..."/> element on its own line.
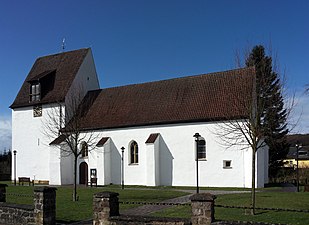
<point x="74" y="185"/>
<point x="253" y="183"/>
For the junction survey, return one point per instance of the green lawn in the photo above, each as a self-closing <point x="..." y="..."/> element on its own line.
<point x="264" y="199"/>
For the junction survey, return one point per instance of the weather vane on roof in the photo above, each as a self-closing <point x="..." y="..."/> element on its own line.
<point x="63" y="44"/>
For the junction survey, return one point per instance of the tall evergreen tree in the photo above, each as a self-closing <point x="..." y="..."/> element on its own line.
<point x="274" y="115"/>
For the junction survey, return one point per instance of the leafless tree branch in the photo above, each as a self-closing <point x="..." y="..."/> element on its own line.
<point x="65" y="120"/>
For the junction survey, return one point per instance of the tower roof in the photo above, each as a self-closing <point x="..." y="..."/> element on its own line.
<point x="57" y="71"/>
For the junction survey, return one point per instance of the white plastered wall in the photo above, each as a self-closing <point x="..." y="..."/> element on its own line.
<point x="32" y="144"/>
<point x="85" y="80"/>
<point x="152" y="163"/>
<point x="176" y="156"/>
<point x="105" y="163"/>
<point x="262" y="166"/>
<point x="54" y="165"/>
<point x="61" y="167"/>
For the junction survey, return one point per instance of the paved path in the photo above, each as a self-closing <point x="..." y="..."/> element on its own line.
<point x="147" y="209"/>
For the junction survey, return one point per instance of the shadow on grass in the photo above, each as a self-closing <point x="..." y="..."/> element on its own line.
<point x="261" y="213"/>
<point x="74" y="222"/>
<point x="65" y="221"/>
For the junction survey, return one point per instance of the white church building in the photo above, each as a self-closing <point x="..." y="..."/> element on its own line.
<point x="141" y="134"/>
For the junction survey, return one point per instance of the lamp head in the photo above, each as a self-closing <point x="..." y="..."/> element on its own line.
<point x="196" y="135"/>
<point x="298" y="145"/>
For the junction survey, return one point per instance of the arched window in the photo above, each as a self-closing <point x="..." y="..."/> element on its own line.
<point x="84" y="149"/>
<point x="134" y="153"/>
<point x="201" y="149"/>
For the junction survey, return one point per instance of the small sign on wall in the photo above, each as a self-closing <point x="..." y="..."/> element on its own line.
<point x="93" y="173"/>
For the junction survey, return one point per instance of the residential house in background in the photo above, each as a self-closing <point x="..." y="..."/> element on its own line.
<point x="303" y="152"/>
<point x="154" y="122"/>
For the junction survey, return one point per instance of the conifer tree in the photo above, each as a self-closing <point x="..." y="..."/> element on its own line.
<point x="274" y="115"/>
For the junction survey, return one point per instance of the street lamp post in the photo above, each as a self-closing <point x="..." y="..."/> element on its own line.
<point x="298" y="146"/>
<point x="197" y="136"/>
<point x="15" y="166"/>
<point x="122" y="168"/>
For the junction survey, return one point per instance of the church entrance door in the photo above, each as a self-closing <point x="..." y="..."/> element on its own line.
<point x="83" y="173"/>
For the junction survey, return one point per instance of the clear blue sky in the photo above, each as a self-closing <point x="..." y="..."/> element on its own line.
<point x="144" y="40"/>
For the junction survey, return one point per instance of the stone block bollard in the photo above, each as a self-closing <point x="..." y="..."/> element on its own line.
<point x="45" y="205"/>
<point x="105" y="205"/>
<point x="203" y="210"/>
<point x="3" y="192"/>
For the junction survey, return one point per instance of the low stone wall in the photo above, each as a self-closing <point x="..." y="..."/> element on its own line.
<point x="43" y="210"/>
<point x="106" y="212"/>
<point x="16" y="214"/>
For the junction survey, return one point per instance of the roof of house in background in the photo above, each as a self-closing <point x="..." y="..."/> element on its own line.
<point x="208" y="97"/>
<point x="60" y="70"/>
<point x="303" y="139"/>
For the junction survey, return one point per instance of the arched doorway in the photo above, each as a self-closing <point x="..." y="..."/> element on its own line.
<point x="83" y="173"/>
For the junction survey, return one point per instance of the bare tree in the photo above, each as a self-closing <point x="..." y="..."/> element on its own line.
<point x="64" y="125"/>
<point x="245" y="132"/>
<point x="260" y="111"/>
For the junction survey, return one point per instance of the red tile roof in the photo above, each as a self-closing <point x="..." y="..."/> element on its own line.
<point x="58" y="140"/>
<point x="302" y="139"/>
<point x="152" y="138"/>
<point x="41" y="75"/>
<point x="207" y="97"/>
<point x="65" y="65"/>
<point x="102" y="141"/>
